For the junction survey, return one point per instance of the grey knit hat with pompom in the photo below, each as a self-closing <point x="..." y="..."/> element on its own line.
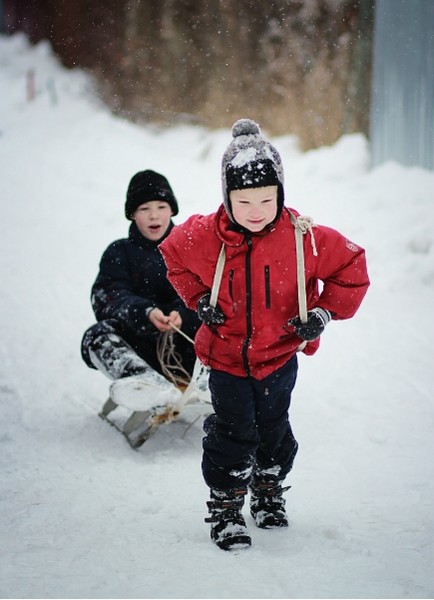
<point x="250" y="161"/>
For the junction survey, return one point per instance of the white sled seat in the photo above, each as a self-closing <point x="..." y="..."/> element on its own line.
<point x="144" y="392"/>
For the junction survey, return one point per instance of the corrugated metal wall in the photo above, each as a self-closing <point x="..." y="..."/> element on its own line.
<point x="402" y="105"/>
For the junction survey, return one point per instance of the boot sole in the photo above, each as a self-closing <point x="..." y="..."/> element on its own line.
<point x="271" y="526"/>
<point x="234" y="543"/>
<point x="269" y="522"/>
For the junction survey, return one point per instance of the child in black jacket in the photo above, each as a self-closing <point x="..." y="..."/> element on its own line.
<point x="134" y="303"/>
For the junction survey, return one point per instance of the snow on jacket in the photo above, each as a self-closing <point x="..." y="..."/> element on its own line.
<point x="131" y="279"/>
<point x="258" y="292"/>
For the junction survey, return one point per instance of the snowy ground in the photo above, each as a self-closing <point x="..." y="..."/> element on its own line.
<point x="84" y="516"/>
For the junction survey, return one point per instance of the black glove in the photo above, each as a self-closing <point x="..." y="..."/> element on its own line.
<point x="210" y="315"/>
<point x="317" y="319"/>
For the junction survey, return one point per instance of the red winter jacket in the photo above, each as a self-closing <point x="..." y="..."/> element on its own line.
<point x="258" y="292"/>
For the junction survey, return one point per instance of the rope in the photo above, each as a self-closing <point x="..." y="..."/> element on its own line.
<point x="302" y="225"/>
<point x="305" y="224"/>
<point x="170" y="361"/>
<point x="181" y="332"/>
<point x="172" y="369"/>
<point x="218" y="276"/>
<point x="301" y="275"/>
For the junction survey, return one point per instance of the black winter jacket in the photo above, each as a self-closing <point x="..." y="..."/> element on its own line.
<point x="131" y="279"/>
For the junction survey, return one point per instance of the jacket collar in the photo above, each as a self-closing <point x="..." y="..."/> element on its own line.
<point x="136" y="237"/>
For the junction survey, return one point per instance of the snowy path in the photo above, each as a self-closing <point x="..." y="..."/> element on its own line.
<point x="84" y="516"/>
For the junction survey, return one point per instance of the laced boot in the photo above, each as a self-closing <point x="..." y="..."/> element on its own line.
<point x="267" y="506"/>
<point x="228" y="527"/>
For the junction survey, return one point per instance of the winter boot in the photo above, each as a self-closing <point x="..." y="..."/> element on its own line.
<point x="267" y="506"/>
<point x="228" y="527"/>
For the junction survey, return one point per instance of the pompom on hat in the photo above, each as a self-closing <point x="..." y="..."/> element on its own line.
<point x="146" y="186"/>
<point x="250" y="161"/>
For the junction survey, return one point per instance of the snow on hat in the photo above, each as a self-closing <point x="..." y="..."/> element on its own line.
<point x="250" y="161"/>
<point x="146" y="186"/>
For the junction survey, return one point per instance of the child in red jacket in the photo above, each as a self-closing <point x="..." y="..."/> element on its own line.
<point x="252" y="272"/>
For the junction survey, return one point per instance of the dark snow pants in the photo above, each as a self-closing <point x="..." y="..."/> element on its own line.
<point x="249" y="434"/>
<point x="108" y="347"/>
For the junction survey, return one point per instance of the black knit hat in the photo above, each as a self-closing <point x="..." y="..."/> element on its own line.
<point x="250" y="161"/>
<point x="146" y="186"/>
<point x="258" y="173"/>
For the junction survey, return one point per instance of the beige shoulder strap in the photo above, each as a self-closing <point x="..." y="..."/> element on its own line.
<point x="218" y="276"/>
<point x="301" y="275"/>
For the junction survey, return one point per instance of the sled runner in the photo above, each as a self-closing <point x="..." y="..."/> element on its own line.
<point x="142" y="405"/>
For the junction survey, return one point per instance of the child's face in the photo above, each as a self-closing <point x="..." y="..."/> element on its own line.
<point x="153" y="218"/>
<point x="254" y="208"/>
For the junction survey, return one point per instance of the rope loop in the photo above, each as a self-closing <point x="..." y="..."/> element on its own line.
<point x="305" y="224"/>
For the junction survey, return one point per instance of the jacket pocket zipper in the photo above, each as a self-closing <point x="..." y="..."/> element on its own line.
<point x="267" y="287"/>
